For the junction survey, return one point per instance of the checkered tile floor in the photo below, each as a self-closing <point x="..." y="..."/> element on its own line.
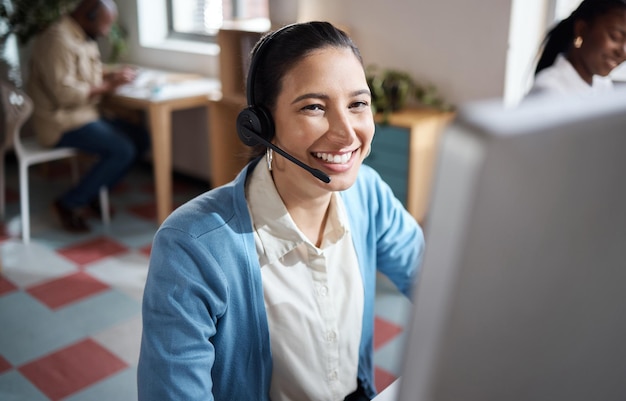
<point x="70" y="305"/>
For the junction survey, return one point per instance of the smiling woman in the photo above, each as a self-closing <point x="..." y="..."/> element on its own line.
<point x="264" y="288"/>
<point x="581" y="51"/>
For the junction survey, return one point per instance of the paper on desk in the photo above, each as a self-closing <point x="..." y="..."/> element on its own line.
<point x="159" y="85"/>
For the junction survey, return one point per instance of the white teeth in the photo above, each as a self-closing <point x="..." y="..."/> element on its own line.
<point x="337" y="159"/>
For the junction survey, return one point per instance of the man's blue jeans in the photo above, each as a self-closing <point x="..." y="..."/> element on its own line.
<point x="117" y="144"/>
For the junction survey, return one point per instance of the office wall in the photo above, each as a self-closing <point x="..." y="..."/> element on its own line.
<point x="460" y="46"/>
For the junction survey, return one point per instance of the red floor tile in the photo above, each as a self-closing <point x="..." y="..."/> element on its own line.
<point x="382" y="379"/>
<point x="4" y="235"/>
<point x="145" y="210"/>
<point x="384" y="332"/>
<point x="4" y="365"/>
<point x="66" y="290"/>
<point x="6" y="286"/>
<point x="72" y="369"/>
<point x="92" y="250"/>
<point x="146" y="250"/>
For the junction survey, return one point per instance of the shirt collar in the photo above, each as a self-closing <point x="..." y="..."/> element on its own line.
<point x="74" y="27"/>
<point x="575" y="78"/>
<point x="274" y="226"/>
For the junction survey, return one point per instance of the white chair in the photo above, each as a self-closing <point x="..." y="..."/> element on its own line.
<point x="17" y="108"/>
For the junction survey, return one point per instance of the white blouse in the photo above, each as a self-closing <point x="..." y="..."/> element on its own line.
<point x="313" y="297"/>
<point x="561" y="77"/>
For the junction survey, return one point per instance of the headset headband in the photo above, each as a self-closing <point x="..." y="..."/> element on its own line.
<point x="257" y="57"/>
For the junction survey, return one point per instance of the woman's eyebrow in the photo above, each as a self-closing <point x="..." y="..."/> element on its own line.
<point x="323" y="96"/>
<point x="361" y="92"/>
<point x="313" y="95"/>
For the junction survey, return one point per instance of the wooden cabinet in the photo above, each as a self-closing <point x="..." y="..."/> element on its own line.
<point x="236" y="40"/>
<point x="228" y="155"/>
<point x="404" y="153"/>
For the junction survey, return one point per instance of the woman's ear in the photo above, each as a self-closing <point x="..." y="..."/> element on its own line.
<point x="580" y="28"/>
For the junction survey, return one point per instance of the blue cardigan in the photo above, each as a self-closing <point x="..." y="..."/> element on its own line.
<point x="205" y="330"/>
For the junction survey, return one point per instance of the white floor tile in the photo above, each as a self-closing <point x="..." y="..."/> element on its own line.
<point x="28" y="264"/>
<point x="123" y="340"/>
<point x="127" y="273"/>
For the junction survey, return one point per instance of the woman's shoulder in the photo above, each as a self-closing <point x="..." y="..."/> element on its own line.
<point x="560" y="78"/>
<point x="553" y="78"/>
<point x="220" y="207"/>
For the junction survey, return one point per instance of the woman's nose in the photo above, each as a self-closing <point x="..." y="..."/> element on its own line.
<point x="340" y="126"/>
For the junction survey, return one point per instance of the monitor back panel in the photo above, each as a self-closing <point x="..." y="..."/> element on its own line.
<point x="522" y="295"/>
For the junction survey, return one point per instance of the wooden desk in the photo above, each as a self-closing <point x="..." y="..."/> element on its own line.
<point x="159" y="96"/>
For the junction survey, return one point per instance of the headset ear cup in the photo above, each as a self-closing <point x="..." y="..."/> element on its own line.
<point x="254" y="123"/>
<point x="267" y="123"/>
<point x="248" y="126"/>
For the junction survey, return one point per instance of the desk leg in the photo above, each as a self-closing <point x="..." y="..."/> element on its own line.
<point x="161" y="131"/>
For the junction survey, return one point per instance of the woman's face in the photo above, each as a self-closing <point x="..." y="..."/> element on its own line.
<point x="323" y="117"/>
<point x="604" y="43"/>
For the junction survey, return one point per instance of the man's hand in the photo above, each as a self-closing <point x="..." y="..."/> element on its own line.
<point x="120" y="76"/>
<point x="111" y="80"/>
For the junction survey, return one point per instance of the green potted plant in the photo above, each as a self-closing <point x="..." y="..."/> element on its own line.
<point x="24" y="19"/>
<point x="392" y="89"/>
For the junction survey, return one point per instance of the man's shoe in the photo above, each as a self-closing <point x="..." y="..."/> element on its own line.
<point x="72" y="220"/>
<point x="95" y="209"/>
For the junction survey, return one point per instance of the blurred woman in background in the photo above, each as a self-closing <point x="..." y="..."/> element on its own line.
<point x="580" y="52"/>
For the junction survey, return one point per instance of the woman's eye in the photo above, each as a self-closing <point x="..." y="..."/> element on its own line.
<point x="313" y="107"/>
<point x="616" y="36"/>
<point x="360" y="104"/>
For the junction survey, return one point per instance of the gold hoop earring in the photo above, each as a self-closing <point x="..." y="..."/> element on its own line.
<point x="578" y="42"/>
<point x="269" y="156"/>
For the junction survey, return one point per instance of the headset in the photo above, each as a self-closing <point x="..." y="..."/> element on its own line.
<point x="255" y="124"/>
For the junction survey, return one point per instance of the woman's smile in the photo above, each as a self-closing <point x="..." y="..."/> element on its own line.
<point x="334" y="158"/>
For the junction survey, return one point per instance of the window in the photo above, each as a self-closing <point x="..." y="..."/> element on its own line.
<point x="563" y="8"/>
<point x="530" y="20"/>
<point x="202" y="18"/>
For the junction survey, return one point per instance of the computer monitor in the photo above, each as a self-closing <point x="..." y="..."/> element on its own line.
<point x="522" y="296"/>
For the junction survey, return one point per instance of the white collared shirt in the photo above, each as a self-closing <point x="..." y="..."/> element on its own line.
<point x="313" y="297"/>
<point x="561" y="77"/>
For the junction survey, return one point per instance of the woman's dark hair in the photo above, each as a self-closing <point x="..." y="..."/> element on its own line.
<point x="560" y="38"/>
<point x="287" y="48"/>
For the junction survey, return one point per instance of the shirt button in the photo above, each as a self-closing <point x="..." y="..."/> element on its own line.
<point x="331" y="336"/>
<point x="332" y="376"/>
<point x="323" y="291"/>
